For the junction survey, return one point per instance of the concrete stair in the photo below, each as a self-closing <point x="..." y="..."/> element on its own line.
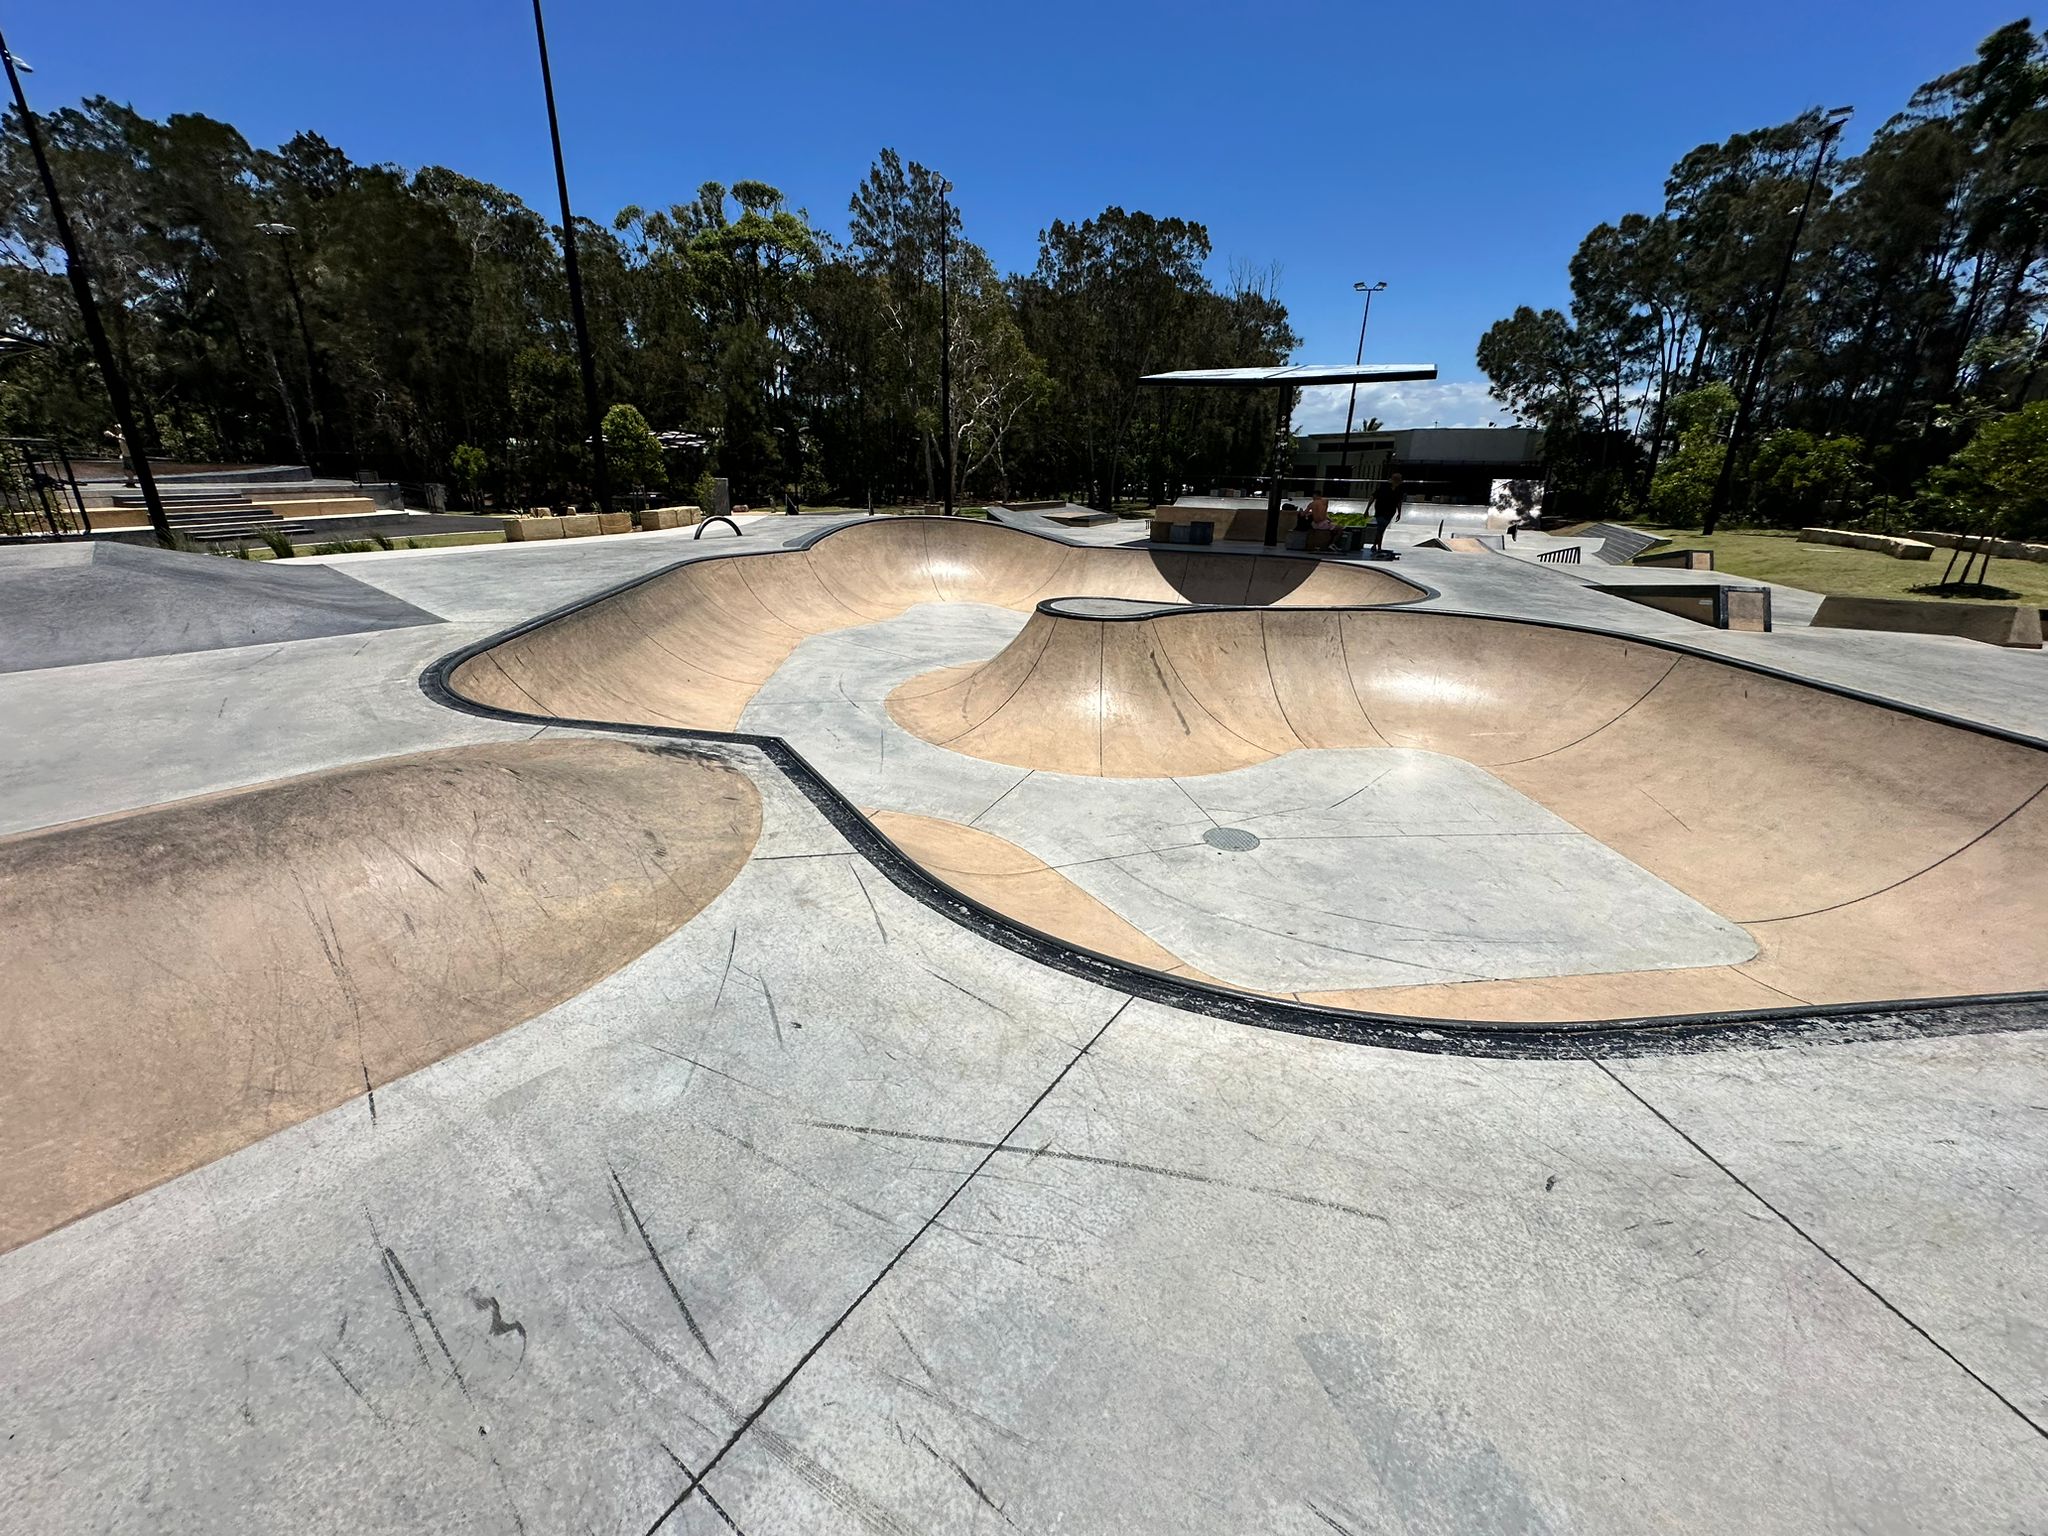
<point x="215" y="516"/>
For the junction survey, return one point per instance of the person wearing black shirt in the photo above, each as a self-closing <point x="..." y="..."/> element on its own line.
<point x="1386" y="506"/>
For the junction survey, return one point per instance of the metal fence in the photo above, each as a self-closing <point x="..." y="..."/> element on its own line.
<point x="39" y="496"/>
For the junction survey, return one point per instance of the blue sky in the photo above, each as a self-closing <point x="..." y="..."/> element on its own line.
<point x="1459" y="151"/>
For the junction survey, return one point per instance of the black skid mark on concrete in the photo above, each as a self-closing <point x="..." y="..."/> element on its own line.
<point x="667" y="1279"/>
<point x="489" y="1304"/>
<point x="396" y="1269"/>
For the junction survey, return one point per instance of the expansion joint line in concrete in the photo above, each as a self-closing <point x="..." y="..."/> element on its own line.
<point x="1818" y="1247"/>
<point x="768" y="1399"/>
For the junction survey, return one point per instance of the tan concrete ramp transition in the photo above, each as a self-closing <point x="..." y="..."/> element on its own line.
<point x="692" y="646"/>
<point x="1873" y="854"/>
<point x="185" y="980"/>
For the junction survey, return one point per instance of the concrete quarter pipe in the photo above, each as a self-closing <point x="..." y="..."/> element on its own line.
<point x="1844" y="836"/>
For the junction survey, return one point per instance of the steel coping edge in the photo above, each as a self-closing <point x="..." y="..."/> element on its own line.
<point x="1662" y="1034"/>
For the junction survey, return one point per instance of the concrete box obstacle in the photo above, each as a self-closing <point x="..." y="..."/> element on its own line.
<point x="2008" y="624"/>
<point x="1679" y="559"/>
<point x="1242" y="524"/>
<point x="520" y="530"/>
<point x="1883" y="543"/>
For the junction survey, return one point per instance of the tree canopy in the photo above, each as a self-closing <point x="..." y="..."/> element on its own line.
<point x="291" y="305"/>
<point x="1911" y="314"/>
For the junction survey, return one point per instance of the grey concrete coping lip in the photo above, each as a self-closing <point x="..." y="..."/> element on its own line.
<point x="1662" y="1034"/>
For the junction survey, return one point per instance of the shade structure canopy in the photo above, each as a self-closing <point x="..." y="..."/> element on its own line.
<point x="1305" y="373"/>
<point x="1286" y="380"/>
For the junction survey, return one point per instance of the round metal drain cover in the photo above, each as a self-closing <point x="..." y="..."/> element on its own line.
<point x="1230" y="839"/>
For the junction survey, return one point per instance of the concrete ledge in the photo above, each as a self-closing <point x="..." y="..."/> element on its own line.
<point x="519" y="530"/>
<point x="1681" y="559"/>
<point x="1999" y="549"/>
<point x="1711" y="603"/>
<point x="614" y="522"/>
<point x="578" y="525"/>
<point x="2007" y="624"/>
<point x="1884" y="544"/>
<point x="1244" y="524"/>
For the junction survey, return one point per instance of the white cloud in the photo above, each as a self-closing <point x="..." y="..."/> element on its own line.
<point x="1465" y="403"/>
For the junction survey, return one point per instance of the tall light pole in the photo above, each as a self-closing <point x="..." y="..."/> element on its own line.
<point x="1831" y="127"/>
<point x="283" y="234"/>
<point x="945" y="344"/>
<point x="1368" y="289"/>
<point x="593" y="416"/>
<point x="81" y="290"/>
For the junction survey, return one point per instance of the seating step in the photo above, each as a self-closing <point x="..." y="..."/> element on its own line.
<point x="184" y="498"/>
<point x="186" y="518"/>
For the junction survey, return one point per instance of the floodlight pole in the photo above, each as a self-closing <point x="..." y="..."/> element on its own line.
<point x="593" y="416"/>
<point x="945" y="345"/>
<point x="95" y="333"/>
<point x="1344" y="459"/>
<point x="1830" y="128"/>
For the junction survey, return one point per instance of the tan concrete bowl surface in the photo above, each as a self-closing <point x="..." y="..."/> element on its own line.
<point x="1875" y="854"/>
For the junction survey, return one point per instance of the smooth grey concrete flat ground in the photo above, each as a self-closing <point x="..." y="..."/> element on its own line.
<point x="975" y="1245"/>
<point x="968" y="1241"/>
<point x="63" y="604"/>
<point x="91" y="739"/>
<point x="1374" y="868"/>
<point x="507" y="582"/>
<point x="88" y="740"/>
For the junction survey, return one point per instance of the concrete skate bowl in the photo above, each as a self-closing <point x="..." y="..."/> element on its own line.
<point x="692" y="645"/>
<point x="185" y="980"/>
<point x="1827" y="842"/>
<point x="1872" y="855"/>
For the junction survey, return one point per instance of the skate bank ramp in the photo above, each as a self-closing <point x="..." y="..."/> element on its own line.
<point x="185" y="980"/>
<point x="64" y="605"/>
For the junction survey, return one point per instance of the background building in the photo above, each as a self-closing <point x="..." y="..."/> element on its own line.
<point x="1451" y="464"/>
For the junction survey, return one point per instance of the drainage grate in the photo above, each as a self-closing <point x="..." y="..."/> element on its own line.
<point x="1230" y="839"/>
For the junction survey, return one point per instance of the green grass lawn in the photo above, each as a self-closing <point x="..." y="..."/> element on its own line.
<point x="1769" y="555"/>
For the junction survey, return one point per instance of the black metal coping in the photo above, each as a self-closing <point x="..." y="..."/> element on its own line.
<point x="1668" y="1034"/>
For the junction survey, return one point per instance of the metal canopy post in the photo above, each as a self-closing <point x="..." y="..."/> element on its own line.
<point x="1283" y="413"/>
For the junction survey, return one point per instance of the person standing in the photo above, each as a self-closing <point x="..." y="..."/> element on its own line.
<point x="1386" y="506"/>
